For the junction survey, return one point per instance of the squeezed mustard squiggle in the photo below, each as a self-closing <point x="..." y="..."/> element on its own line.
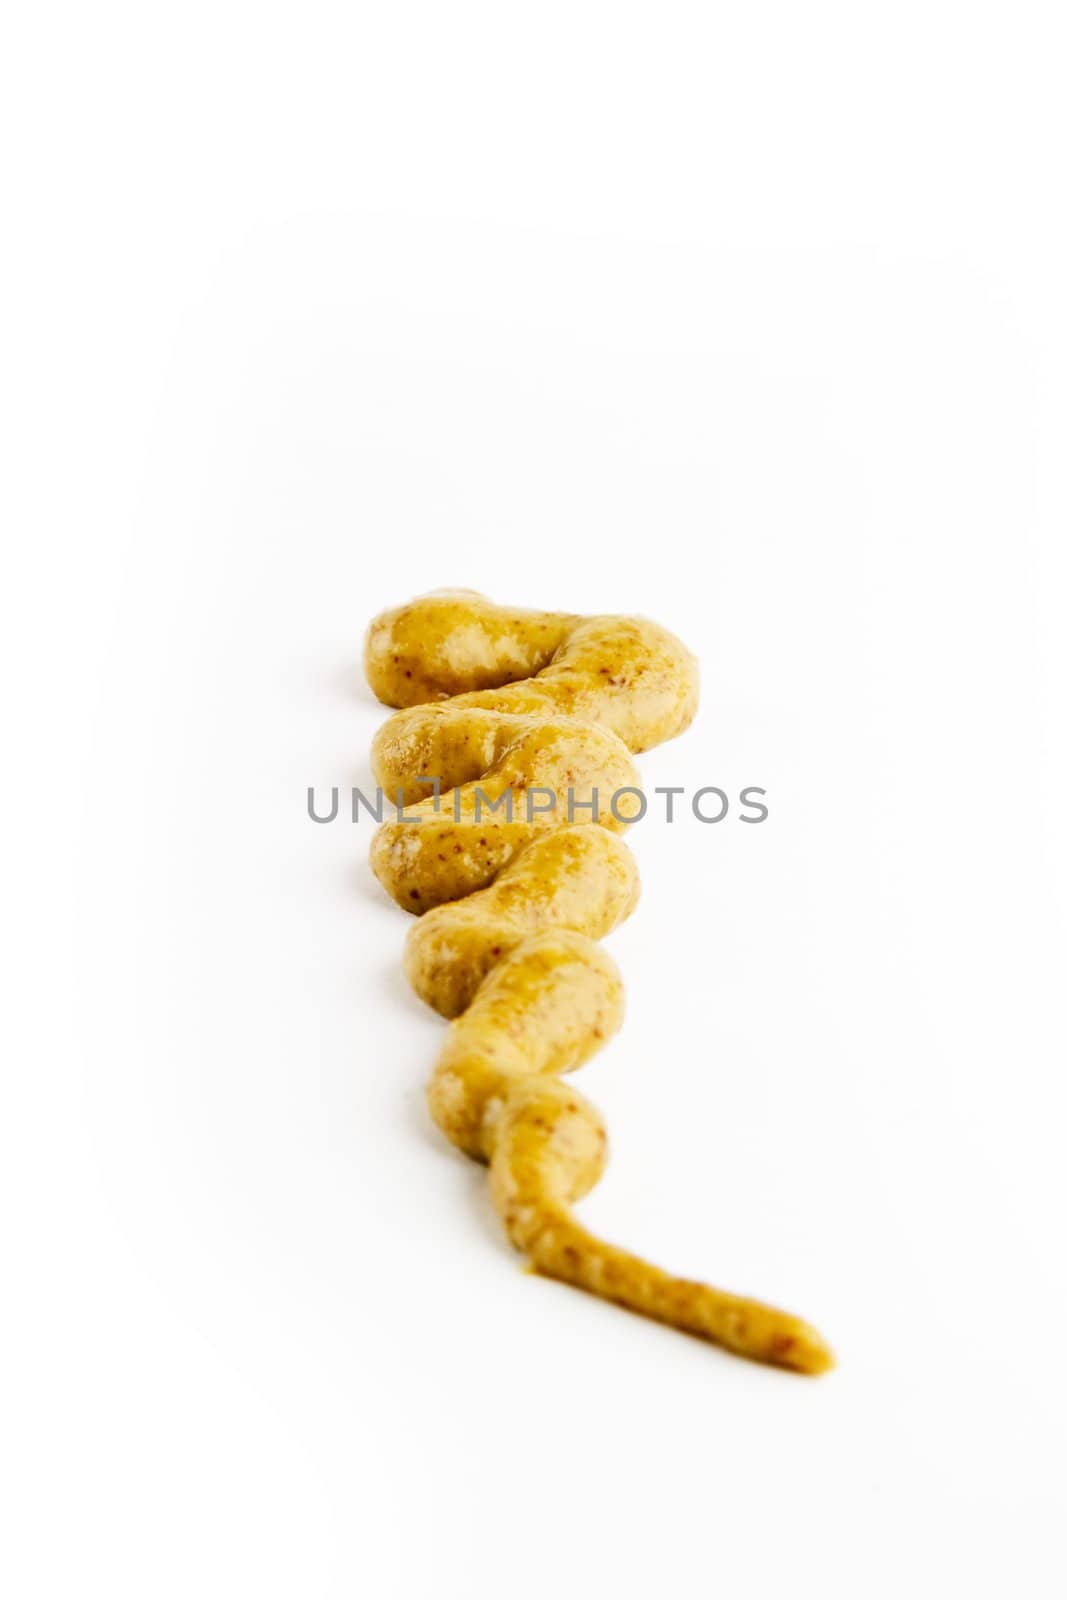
<point x="500" y="702"/>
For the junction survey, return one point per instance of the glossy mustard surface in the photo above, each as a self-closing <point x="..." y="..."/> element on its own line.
<point x="497" y="703"/>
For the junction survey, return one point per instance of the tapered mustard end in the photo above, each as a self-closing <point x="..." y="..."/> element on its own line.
<point x="801" y="1348"/>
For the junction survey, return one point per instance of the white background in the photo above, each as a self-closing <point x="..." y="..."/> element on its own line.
<point x="748" y="318"/>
